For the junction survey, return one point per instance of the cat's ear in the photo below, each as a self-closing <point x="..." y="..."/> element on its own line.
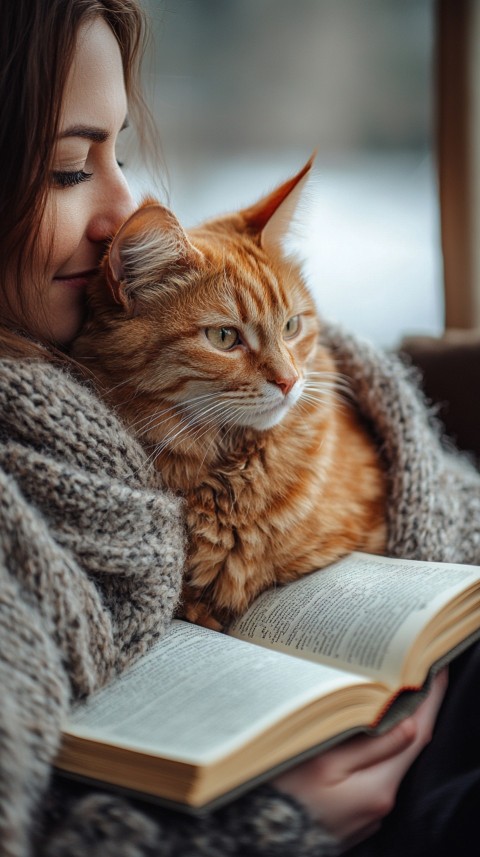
<point x="150" y="245"/>
<point x="272" y="216"/>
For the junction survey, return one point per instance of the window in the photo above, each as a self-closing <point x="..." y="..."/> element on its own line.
<point x="244" y="90"/>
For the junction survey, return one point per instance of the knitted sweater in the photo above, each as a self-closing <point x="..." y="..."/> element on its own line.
<point x="91" y="551"/>
<point x="91" y="555"/>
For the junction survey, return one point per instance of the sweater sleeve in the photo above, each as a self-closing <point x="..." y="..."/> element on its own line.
<point x="34" y="691"/>
<point x="433" y="490"/>
<point x="91" y="555"/>
<point x="99" y="547"/>
<point x="263" y="823"/>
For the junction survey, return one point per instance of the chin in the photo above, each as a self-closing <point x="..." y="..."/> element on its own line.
<point x="262" y="422"/>
<point x="64" y="323"/>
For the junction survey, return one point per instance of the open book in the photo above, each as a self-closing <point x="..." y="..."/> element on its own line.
<point x="203" y="715"/>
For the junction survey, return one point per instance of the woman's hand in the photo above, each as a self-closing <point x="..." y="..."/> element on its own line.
<point x="352" y="787"/>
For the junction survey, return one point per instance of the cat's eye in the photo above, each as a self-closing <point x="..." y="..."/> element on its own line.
<point x="292" y="327"/>
<point x="222" y="338"/>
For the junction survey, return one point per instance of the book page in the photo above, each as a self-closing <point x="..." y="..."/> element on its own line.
<point x="360" y="613"/>
<point x="197" y="694"/>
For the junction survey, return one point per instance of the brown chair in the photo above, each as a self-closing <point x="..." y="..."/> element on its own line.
<point x="450" y="369"/>
<point x="450" y="365"/>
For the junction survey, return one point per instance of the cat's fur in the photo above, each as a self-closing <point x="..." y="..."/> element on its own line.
<point x="279" y="474"/>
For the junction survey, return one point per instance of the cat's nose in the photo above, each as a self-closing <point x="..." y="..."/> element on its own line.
<point x="285" y="384"/>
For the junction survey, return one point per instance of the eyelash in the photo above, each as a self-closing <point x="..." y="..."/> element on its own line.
<point x="69" y="179"/>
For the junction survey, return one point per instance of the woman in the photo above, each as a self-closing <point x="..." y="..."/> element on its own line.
<point x="91" y="549"/>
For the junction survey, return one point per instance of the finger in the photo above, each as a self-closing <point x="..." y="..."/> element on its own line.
<point x="385" y="777"/>
<point x="355" y="784"/>
<point x="426" y="714"/>
<point x="366" y="750"/>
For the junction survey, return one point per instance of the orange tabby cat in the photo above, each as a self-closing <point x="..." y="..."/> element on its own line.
<point x="208" y="344"/>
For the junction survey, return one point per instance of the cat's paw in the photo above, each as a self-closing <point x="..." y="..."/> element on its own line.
<point x="201" y="614"/>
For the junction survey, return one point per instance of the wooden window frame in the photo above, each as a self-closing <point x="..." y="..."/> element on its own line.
<point x="457" y="25"/>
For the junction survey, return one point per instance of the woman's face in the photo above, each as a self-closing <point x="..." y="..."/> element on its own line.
<point x="89" y="196"/>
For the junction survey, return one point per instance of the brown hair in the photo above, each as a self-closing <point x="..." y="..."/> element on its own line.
<point x="37" y="41"/>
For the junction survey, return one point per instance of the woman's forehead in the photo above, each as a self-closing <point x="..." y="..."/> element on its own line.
<point x="95" y="94"/>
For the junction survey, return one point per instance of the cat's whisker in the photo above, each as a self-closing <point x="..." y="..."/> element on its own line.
<point x="150" y="419"/>
<point x="155" y="422"/>
<point x="341" y="382"/>
<point x="336" y="382"/>
<point x="336" y="376"/>
<point x="143" y="421"/>
<point x="333" y="404"/>
<point x="333" y="401"/>
<point x="120" y="384"/>
<point x="227" y="424"/>
<point x="170" y="440"/>
<point x="223" y="408"/>
<point x="329" y="389"/>
<point x="328" y="385"/>
<point x="229" y="418"/>
<point x="321" y="387"/>
<point x="199" y="417"/>
<point x="301" y="405"/>
<point x="196" y="439"/>
<point x="131" y="399"/>
<point x="318" y="398"/>
<point x="325" y="374"/>
<point x="148" y="464"/>
<point x="153" y="457"/>
<point x="204" y="422"/>
<point x="177" y="405"/>
<point x="120" y="402"/>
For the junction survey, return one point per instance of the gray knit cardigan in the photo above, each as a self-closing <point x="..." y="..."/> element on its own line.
<point x="91" y="553"/>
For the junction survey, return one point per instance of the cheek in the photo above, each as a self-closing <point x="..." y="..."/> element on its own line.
<point x="61" y="232"/>
<point x="196" y="370"/>
<point x="65" y="308"/>
<point x="66" y="243"/>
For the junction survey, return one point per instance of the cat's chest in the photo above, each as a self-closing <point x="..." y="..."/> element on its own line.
<point x="267" y="483"/>
<point x="243" y="510"/>
<point x="231" y="497"/>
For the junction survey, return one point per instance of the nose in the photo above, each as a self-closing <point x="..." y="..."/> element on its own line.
<point x="114" y="204"/>
<point x="285" y="383"/>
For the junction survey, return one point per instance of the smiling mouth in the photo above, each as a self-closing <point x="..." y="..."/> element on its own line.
<point x="79" y="280"/>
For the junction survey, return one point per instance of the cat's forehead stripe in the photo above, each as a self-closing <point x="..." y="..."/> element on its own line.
<point x="274" y="290"/>
<point x="248" y="300"/>
<point x="256" y="289"/>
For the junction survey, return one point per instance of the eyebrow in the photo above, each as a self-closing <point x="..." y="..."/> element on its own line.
<point x="86" y="132"/>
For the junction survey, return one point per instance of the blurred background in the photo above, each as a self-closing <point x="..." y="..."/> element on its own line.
<point x="244" y="90"/>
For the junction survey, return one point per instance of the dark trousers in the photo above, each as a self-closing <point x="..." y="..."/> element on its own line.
<point x="437" y="813"/>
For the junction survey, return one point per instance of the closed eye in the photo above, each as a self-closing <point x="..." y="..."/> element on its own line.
<point x="69" y="178"/>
